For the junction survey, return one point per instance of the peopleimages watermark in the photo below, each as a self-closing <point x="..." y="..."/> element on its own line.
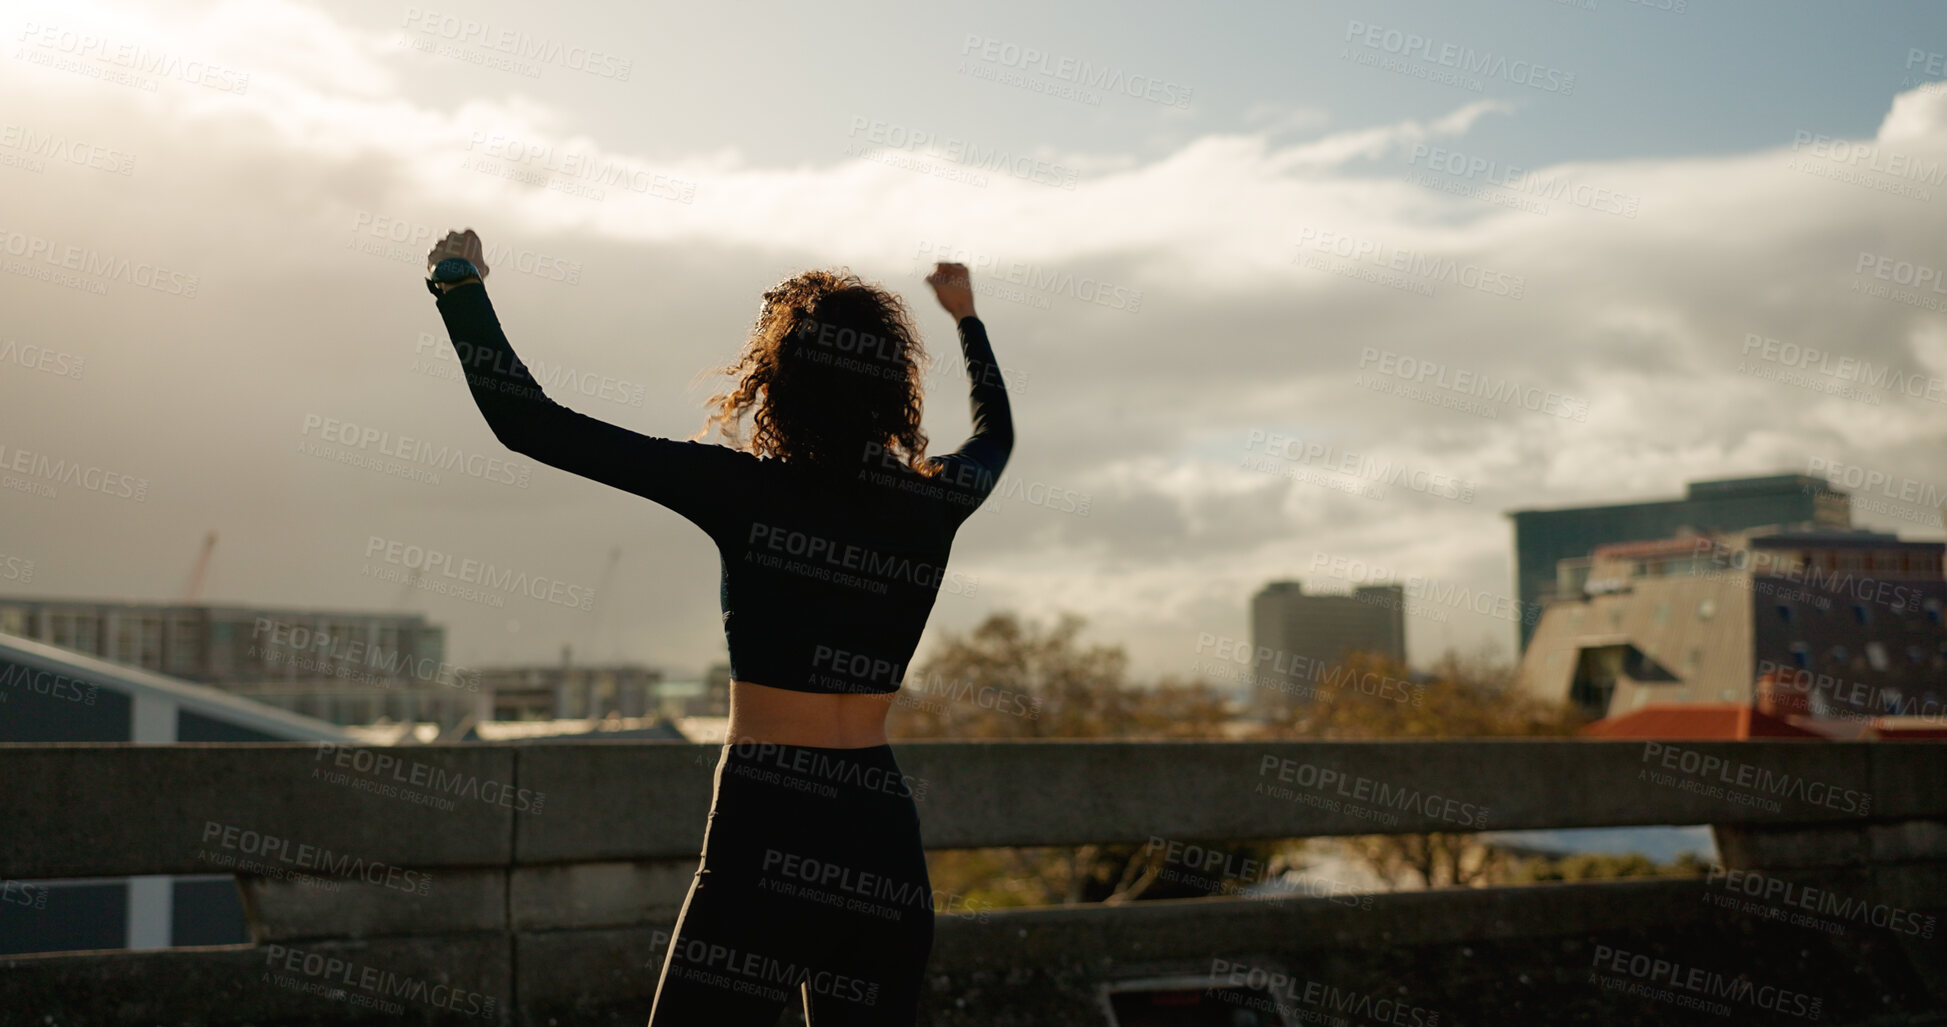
<point x="446" y="359"/>
<point x="1821" y="909"/>
<point x="1356" y="795"/>
<point x="1876" y="700"/>
<point x="30" y="149"/>
<point x="382" y="773"/>
<point x="819" y="771"/>
<point x="958" y="481"/>
<point x="1416" y="271"/>
<point x="1463" y="382"/>
<point x="276" y="638"/>
<point x="1883" y="171"/>
<point x="1220" y="871"/>
<point x="1428" y="590"/>
<point x="1859" y="478"/>
<point x="23" y="893"/>
<point x="285" y="854"/>
<point x="1816" y="370"/>
<point x="932" y="693"/>
<point x="411" y="458"/>
<point x="363" y="985"/>
<point x="407" y="242"/>
<point x="750" y="972"/>
<point x="570" y="172"/>
<point x="58" y="363"/>
<point x="86" y="268"/>
<point x="1511" y="185"/>
<point x="93" y="55"/>
<point x="1922" y="508"/>
<point x="1720" y="777"/>
<point x="846" y="563"/>
<point x="1068" y="78"/>
<point x="1784" y="563"/>
<point x="37" y="474"/>
<point x="1916" y="285"/>
<point x="438" y="571"/>
<point x="16" y="568"/>
<point x="1267" y="666"/>
<point x="843" y="670"/>
<point x="1028" y="276"/>
<point x="1932" y="65"/>
<point x="49" y="683"/>
<point x="507" y="49"/>
<point x="1693" y="987"/>
<point x="892" y="137"/>
<point x="1417" y="56"/>
<point x="1384" y="472"/>
<point x="841" y="885"/>
<point x="845" y="348"/>
<point x="1318" y="995"/>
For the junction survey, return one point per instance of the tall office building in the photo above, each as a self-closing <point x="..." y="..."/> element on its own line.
<point x="1543" y="538"/>
<point x="1296" y="637"/>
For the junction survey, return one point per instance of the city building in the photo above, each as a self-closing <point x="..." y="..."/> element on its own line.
<point x="569" y="691"/>
<point x="1296" y="636"/>
<point x="345" y="667"/>
<point x="1852" y="618"/>
<point x="1543" y="538"/>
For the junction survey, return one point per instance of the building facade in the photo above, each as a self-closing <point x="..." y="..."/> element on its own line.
<point x="570" y="691"/>
<point x="1295" y="636"/>
<point x="1853" y="617"/>
<point x="341" y="666"/>
<point x="1543" y="538"/>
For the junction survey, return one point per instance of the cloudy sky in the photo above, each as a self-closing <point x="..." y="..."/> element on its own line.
<point x="1313" y="291"/>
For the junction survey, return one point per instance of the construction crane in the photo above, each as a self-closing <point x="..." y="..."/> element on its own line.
<point x="201" y="570"/>
<point x="604" y="616"/>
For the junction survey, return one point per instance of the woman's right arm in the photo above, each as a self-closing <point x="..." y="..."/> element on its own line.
<point x="985" y="452"/>
<point x="993" y="418"/>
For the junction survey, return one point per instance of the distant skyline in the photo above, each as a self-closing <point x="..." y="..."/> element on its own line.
<point x="1280" y="291"/>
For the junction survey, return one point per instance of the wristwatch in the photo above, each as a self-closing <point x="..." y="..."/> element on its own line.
<point x="450" y="272"/>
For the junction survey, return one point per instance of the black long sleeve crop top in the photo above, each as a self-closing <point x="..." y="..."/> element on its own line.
<point x="827" y="578"/>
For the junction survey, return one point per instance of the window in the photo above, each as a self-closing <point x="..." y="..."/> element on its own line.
<point x="1706" y="609"/>
<point x="1839" y="654"/>
<point x="1801" y="655"/>
<point x="1785" y="612"/>
<point x="1932" y="607"/>
<point x="1876" y="655"/>
<point x="1861" y="614"/>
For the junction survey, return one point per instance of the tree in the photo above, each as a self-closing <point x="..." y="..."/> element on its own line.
<point x="1015" y="679"/>
<point x="1367" y="696"/>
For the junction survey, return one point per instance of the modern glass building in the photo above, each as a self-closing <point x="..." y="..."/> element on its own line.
<point x="1542" y="538"/>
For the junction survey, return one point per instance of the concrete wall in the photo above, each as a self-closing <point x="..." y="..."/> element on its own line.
<point x="546" y="877"/>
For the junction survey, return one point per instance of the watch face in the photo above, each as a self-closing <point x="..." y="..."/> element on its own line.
<point x="454" y="268"/>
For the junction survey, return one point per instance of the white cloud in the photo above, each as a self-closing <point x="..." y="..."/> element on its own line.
<point x="1642" y="317"/>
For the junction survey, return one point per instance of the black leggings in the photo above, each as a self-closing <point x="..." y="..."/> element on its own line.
<point x="813" y="882"/>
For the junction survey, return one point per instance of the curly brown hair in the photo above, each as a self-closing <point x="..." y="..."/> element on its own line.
<point x="832" y="367"/>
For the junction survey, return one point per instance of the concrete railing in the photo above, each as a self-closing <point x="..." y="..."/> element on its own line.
<point x="542" y="890"/>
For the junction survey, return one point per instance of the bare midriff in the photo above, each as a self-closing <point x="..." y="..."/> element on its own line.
<point x="760" y="713"/>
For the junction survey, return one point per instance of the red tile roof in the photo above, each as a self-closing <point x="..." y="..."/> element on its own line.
<point x="1699" y="721"/>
